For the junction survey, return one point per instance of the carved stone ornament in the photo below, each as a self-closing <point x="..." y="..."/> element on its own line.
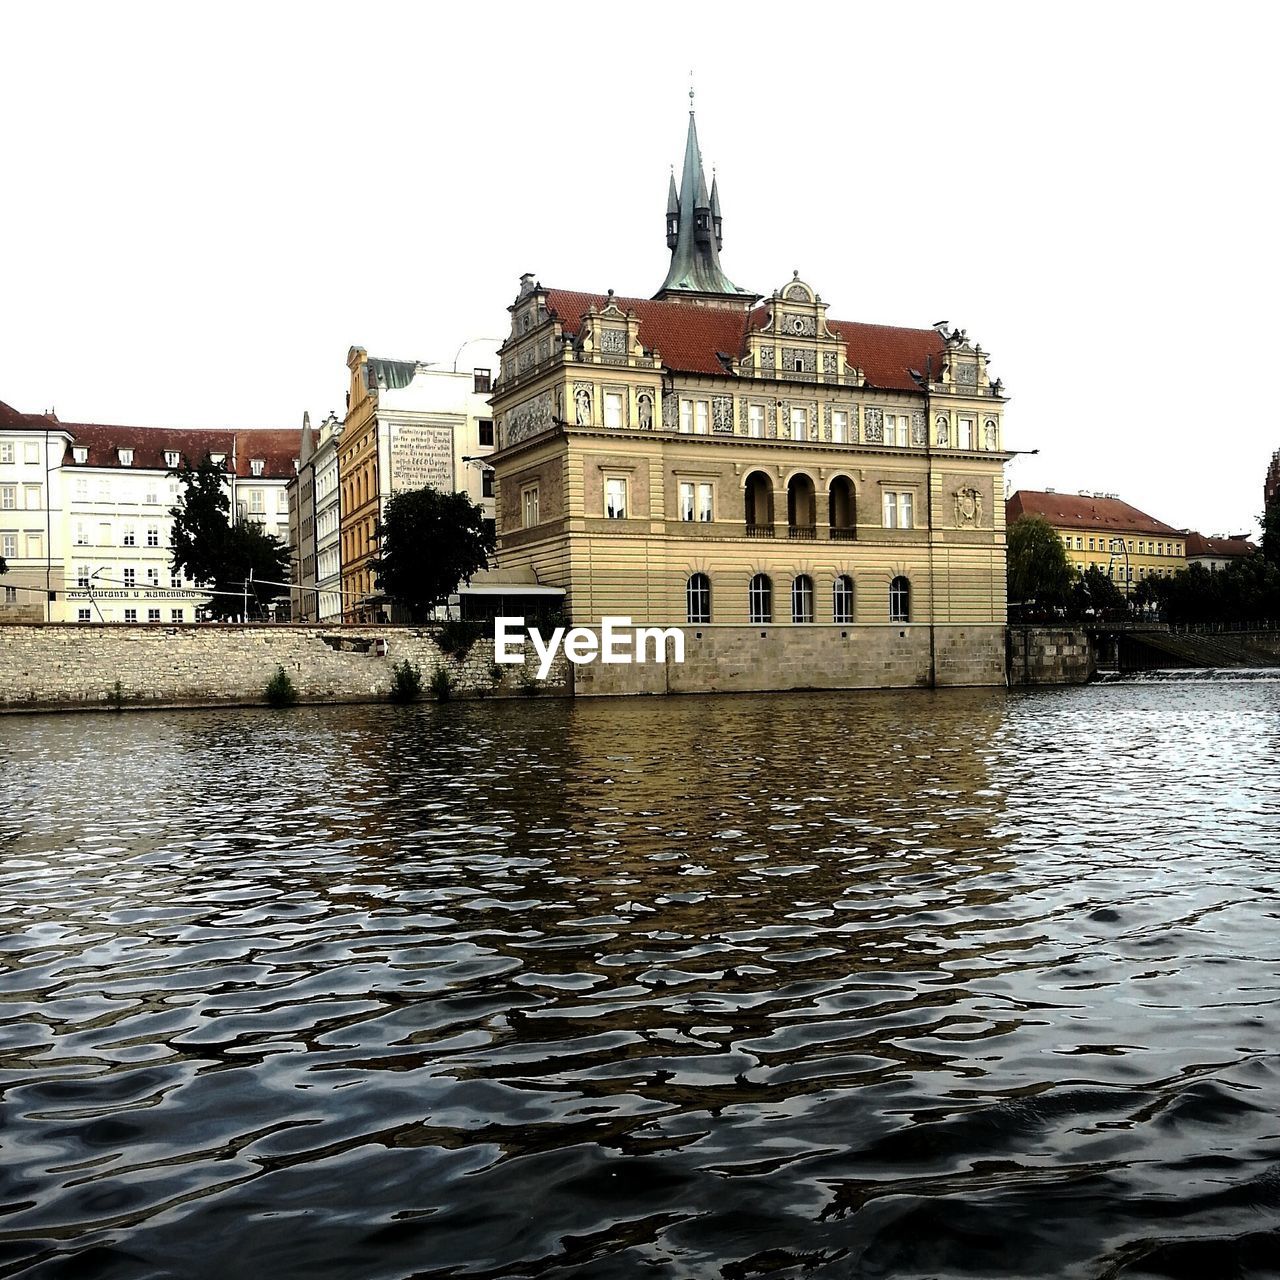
<point x="805" y="356"/>
<point x="989" y="433"/>
<point x="919" y="428"/>
<point x="942" y="430"/>
<point x="644" y="411"/>
<point x="722" y="415"/>
<point x="544" y="348"/>
<point x="874" y="432"/>
<point x="966" y="375"/>
<point x="670" y="410"/>
<point x="582" y="403"/>
<point x="528" y="418"/>
<point x="826" y="422"/>
<point x="796" y="293"/>
<point x="803" y="326"/>
<point x="830" y="364"/>
<point x="766" y="359"/>
<point x="968" y="507"/>
<point x="613" y="341"/>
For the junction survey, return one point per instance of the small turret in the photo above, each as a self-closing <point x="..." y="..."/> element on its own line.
<point x="673" y="212"/>
<point x="716" y="220"/>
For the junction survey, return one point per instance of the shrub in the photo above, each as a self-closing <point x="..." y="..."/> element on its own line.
<point x="495" y="674"/>
<point x="442" y="684"/>
<point x="281" y="691"/>
<point x="115" y="697"/>
<point x="528" y="684"/>
<point x="456" y="637"/>
<point x="406" y="682"/>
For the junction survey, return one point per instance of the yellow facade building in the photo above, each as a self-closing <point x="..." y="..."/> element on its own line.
<point x="1099" y="530"/>
<point x="738" y="466"/>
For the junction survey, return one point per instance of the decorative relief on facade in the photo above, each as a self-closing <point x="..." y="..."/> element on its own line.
<point x="802" y="326"/>
<point x="942" y="430"/>
<point x="919" y="428"/>
<point x="544" y="349"/>
<point x="796" y="293"/>
<point x="743" y="417"/>
<point x="644" y="411"/>
<point x="784" y="417"/>
<point x="613" y="341"/>
<point x="582" y="403"/>
<point x="830" y="363"/>
<point x="722" y="415"/>
<point x="670" y="410"/>
<point x="968" y="507"/>
<point x="799" y="360"/>
<point x="766" y="359"/>
<point x="526" y="359"/>
<point x="874" y="425"/>
<point x="771" y="423"/>
<point x="966" y="375"/>
<point x="826" y="422"/>
<point x="990" y="433"/>
<point x="530" y="418"/>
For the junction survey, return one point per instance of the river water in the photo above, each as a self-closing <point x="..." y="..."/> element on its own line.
<point x="973" y="983"/>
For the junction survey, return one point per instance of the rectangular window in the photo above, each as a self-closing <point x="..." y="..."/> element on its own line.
<point x="965" y="433"/>
<point x="686" y="416"/>
<point x="31" y="452"/>
<point x="256" y="466"/>
<point x="839" y="426"/>
<point x="153" y="576"/>
<point x="615" y="498"/>
<point x="481" y="384"/>
<point x="9" y="546"/>
<point x="11" y="595"/>
<point x="704" y="503"/>
<point x="6" y="451"/>
<point x="799" y="424"/>
<point x="906" y="518"/>
<point x="131" y="577"/>
<point x="175" y="615"/>
<point x="153" y="535"/>
<point x="282" y="501"/>
<point x="82" y="489"/>
<point x="82" y="615"/>
<point x="529" y="500"/>
<point x="130" y="538"/>
<point x="8" y="497"/>
<point x="612" y="409"/>
<point x="104" y="534"/>
<point x="701" y="417"/>
<point x="1091" y="544"/>
<point x="126" y="457"/>
<point x="486" y="433"/>
<point x="82" y="577"/>
<point x="1079" y="544"/>
<point x="686" y="500"/>
<point x="486" y="483"/>
<point x="104" y="490"/>
<point x="152" y="495"/>
<point x="890" y="509"/>
<point x="153" y="615"/>
<point x="175" y="580"/>
<point x="32" y="495"/>
<point x="755" y="421"/>
<point x="35" y="546"/>
<point x="901" y="429"/>
<point x="256" y="503"/>
<point x="171" y="458"/>
<point x="131" y="615"/>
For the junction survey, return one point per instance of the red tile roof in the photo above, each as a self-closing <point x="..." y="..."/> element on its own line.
<point x="690" y="337"/>
<point x="277" y="447"/>
<point x="1081" y="511"/>
<point x="1218" y="548"/>
<point x="12" y="420"/>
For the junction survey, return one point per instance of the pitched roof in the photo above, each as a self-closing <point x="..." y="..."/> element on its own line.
<point x="689" y="337"/>
<point x="12" y="420"/>
<point x="1084" y="511"/>
<point x="1219" y="548"/>
<point x="277" y="447"/>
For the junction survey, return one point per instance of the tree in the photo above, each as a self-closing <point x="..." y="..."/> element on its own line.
<point x="429" y="542"/>
<point x="1040" y="575"/>
<point x="218" y="555"/>
<point x="1271" y="532"/>
<point x="4" y="568"/>
<point x="1093" y="593"/>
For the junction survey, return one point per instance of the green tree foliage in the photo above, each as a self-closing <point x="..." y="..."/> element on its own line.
<point x="4" y="568"/>
<point x="429" y="542"/>
<point x="216" y="553"/>
<point x="1246" y="591"/>
<point x="1040" y="576"/>
<point x="1094" y="594"/>
<point x="1271" y="532"/>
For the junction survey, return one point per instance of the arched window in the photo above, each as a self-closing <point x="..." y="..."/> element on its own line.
<point x="899" y="600"/>
<point x="760" y="598"/>
<point x="802" y="599"/>
<point x="698" y="598"/>
<point x="842" y="599"/>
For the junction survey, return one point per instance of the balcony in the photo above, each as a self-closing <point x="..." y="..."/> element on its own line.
<point x="802" y="532"/>
<point x="844" y="535"/>
<point x="759" y="531"/>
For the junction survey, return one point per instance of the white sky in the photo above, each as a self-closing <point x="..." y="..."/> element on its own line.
<point x="204" y="206"/>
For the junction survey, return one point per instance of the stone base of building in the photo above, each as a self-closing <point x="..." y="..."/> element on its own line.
<point x="757" y="659"/>
<point x="1050" y="655"/>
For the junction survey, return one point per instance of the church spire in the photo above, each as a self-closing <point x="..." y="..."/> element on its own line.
<point x="694" y="230"/>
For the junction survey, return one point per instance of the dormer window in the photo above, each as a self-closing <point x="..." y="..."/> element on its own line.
<point x="296" y="464"/>
<point x="80" y="453"/>
<point x="217" y="459"/>
<point x="171" y="458"/>
<point x="126" y="457"/>
<point x="256" y="465"/>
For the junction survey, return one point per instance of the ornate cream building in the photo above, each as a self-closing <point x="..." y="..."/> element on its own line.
<point x="737" y="465"/>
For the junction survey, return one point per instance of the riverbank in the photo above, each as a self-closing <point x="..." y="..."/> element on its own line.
<point x="97" y="667"/>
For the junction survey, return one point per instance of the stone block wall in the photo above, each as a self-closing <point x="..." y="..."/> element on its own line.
<point x="1050" y="655"/>
<point x="75" y="666"/>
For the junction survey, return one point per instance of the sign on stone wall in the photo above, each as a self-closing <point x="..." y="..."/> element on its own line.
<point x="421" y="455"/>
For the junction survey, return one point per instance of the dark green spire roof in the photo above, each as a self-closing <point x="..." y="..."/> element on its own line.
<point x="695" y="256"/>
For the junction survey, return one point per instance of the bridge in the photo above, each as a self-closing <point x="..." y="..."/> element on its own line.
<point x="1147" y="646"/>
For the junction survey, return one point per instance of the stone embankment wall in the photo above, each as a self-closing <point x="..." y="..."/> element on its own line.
<point x="737" y="659"/>
<point x="76" y="665"/>
<point x="1050" y="655"/>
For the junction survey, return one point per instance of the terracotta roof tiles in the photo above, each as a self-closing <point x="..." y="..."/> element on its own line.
<point x="1082" y="511"/>
<point x="277" y="447"/>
